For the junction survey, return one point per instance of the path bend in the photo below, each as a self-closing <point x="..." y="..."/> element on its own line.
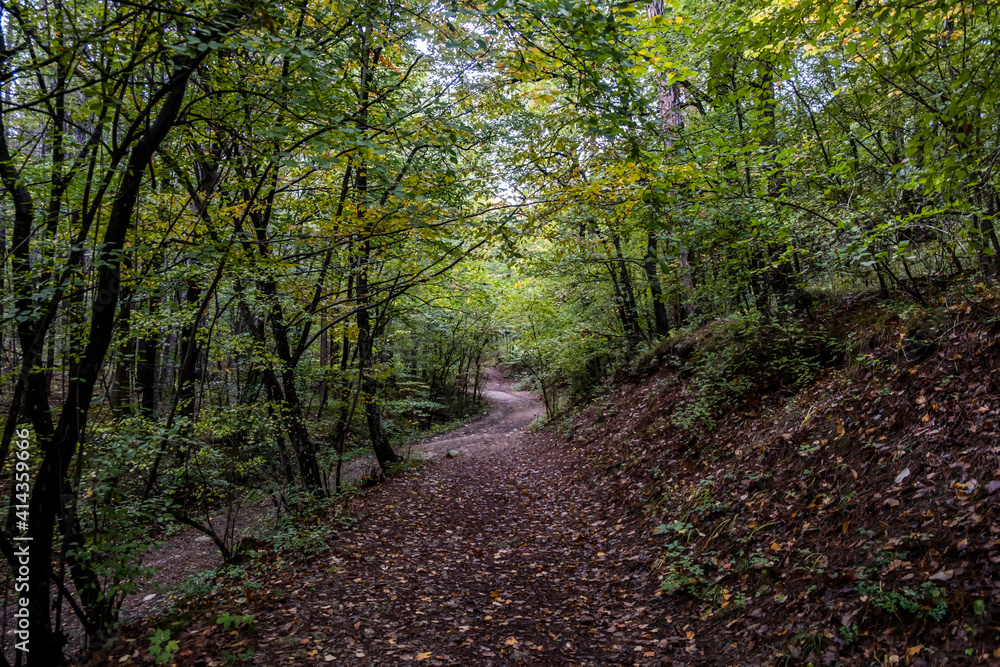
<point x="488" y="558"/>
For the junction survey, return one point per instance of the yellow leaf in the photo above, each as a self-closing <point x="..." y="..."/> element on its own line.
<point x="775" y="546"/>
<point x="510" y="642"/>
<point x="424" y="656"/>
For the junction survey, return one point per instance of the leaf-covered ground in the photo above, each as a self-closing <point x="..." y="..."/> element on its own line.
<point x="482" y="559"/>
<point x="498" y="555"/>
<point x="852" y="521"/>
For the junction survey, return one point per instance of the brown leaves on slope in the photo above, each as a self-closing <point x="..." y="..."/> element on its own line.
<point x="851" y="522"/>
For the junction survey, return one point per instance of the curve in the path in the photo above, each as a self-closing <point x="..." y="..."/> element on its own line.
<point x="511" y="412"/>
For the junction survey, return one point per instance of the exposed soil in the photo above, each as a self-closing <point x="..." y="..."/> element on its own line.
<point x="510" y="412"/>
<point x="185" y="554"/>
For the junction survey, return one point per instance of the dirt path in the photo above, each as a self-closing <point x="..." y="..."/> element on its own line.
<point x="511" y="412"/>
<point x="190" y="552"/>
<point x="496" y="556"/>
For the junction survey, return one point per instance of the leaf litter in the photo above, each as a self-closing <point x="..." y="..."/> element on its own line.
<point x="851" y="522"/>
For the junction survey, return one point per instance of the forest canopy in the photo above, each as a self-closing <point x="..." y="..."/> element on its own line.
<point x="240" y="240"/>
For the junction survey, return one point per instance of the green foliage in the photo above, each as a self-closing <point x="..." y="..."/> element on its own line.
<point x="927" y="600"/>
<point x="744" y="352"/>
<point x="678" y="527"/>
<point x="552" y="339"/>
<point x="849" y="633"/>
<point x="162" y="648"/>
<point x="306" y="524"/>
<point x="239" y="248"/>
<point x="228" y="621"/>
<point x="235" y="658"/>
<point x="198" y="584"/>
<point x="303" y="542"/>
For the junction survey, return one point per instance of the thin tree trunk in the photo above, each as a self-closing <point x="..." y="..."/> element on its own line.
<point x="672" y="122"/>
<point x="145" y="376"/>
<point x="121" y="388"/>
<point x="631" y="311"/>
<point x="661" y="323"/>
<point x="366" y="339"/>
<point x="59" y="445"/>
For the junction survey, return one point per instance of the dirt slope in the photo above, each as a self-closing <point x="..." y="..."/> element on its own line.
<point x="852" y="521"/>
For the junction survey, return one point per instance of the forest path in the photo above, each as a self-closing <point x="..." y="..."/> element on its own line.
<point x="510" y="414"/>
<point x="189" y="552"/>
<point x="496" y="556"/>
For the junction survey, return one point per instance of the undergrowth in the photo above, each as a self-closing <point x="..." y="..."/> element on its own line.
<point x="748" y="353"/>
<point x="829" y="475"/>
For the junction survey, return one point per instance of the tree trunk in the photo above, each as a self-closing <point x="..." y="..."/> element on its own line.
<point x="59" y="445"/>
<point x="298" y="434"/>
<point x="145" y="376"/>
<point x="661" y="323"/>
<point x="121" y="388"/>
<point x="188" y="351"/>
<point x="369" y="386"/>
<point x="629" y="309"/>
<point x="366" y="338"/>
<point x="672" y="122"/>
